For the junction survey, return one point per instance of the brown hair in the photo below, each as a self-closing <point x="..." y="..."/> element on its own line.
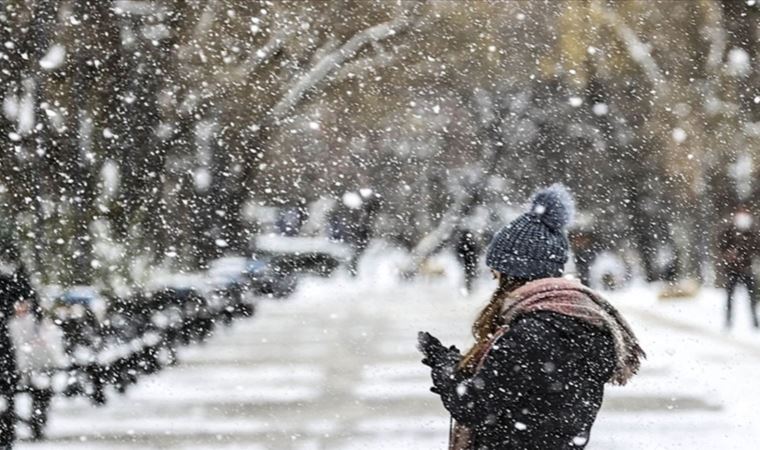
<point x="488" y="321"/>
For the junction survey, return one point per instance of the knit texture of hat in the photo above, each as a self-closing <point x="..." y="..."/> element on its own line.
<point x="535" y="244"/>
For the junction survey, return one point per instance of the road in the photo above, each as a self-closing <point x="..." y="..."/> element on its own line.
<point x="335" y="367"/>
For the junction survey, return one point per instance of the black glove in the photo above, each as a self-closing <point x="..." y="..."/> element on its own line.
<point x="443" y="361"/>
<point x="435" y="353"/>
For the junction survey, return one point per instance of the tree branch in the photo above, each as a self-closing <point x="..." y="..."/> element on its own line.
<point x="360" y="67"/>
<point x="258" y="57"/>
<point x="638" y="49"/>
<point x="716" y="32"/>
<point x="324" y="67"/>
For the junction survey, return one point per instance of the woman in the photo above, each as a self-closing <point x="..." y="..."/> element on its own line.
<point x="545" y="346"/>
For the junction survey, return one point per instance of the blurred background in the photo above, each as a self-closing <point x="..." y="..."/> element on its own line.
<point x="155" y="131"/>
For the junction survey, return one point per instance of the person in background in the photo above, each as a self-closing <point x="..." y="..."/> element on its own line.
<point x="14" y="286"/>
<point x="545" y="345"/>
<point x="39" y="352"/>
<point x="583" y="243"/>
<point x="467" y="241"/>
<point x="291" y="218"/>
<point x="365" y="225"/>
<point x="8" y="373"/>
<point x="353" y="222"/>
<point x="738" y="246"/>
<point x="467" y="250"/>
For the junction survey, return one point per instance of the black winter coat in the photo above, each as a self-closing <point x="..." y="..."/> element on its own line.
<point x="539" y="388"/>
<point x="737" y="248"/>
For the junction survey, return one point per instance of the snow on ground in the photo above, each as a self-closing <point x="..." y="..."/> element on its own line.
<point x="335" y="367"/>
<point x="697" y="388"/>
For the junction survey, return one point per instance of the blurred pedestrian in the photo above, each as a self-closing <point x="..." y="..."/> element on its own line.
<point x="545" y="345"/>
<point x="738" y="246"/>
<point x="467" y="251"/>
<point x="8" y="373"/>
<point x="14" y="286"/>
<point x="583" y="244"/>
<point x="291" y="218"/>
<point x="39" y="352"/>
<point x="353" y="222"/>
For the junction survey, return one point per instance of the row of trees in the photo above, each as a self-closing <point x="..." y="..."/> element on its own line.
<point x="138" y="133"/>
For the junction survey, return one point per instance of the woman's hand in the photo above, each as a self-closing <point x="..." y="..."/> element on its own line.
<point x="443" y="361"/>
<point x="430" y="347"/>
<point x="435" y="353"/>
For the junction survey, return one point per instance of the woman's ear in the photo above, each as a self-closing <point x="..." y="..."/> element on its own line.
<point x="496" y="275"/>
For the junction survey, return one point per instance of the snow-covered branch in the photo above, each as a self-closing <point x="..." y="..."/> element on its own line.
<point x="433" y="240"/>
<point x="324" y="67"/>
<point x="716" y="33"/>
<point x="639" y="51"/>
<point x="258" y="56"/>
<point x="360" y="67"/>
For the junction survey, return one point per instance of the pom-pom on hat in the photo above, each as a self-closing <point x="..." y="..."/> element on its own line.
<point x="535" y="244"/>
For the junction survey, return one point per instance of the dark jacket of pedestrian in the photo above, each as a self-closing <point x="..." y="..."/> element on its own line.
<point x="466" y="248"/>
<point x="545" y="346"/>
<point x="738" y="244"/>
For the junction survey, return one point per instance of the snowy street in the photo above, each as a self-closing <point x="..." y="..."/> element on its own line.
<point x="224" y="223"/>
<point x="335" y="367"/>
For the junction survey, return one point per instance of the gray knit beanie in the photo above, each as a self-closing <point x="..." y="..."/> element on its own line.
<point x="535" y="244"/>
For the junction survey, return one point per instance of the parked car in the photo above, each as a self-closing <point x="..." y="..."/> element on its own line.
<point x="269" y="277"/>
<point x="303" y="254"/>
<point x="129" y="317"/>
<point x="260" y="275"/>
<point x="229" y="288"/>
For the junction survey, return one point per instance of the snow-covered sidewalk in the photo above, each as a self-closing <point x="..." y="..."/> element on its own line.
<point x="698" y="388"/>
<point x="704" y="312"/>
<point x="335" y="367"/>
